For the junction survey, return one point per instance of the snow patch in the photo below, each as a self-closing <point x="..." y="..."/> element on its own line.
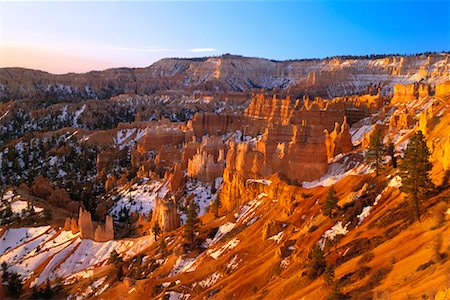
<point x="277" y="237"/>
<point x="77" y="114"/>
<point x="261" y="181"/>
<point x="395" y="182"/>
<point x="331" y="233"/>
<point x="228" y="246"/>
<point x="183" y="265"/>
<point x="336" y="172"/>
<point x="358" y="134"/>
<point x="210" y="281"/>
<point x="248" y="210"/>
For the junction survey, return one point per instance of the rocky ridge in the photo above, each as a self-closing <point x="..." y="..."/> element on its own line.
<point x="316" y="77"/>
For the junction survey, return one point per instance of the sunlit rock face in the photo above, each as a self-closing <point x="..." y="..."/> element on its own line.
<point x="85" y="226"/>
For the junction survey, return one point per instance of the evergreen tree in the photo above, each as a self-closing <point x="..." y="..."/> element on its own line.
<point x="215" y="206"/>
<point x="317" y="263"/>
<point x="336" y="293"/>
<point x="374" y="154"/>
<point x="156" y="230"/>
<point x="115" y="258"/>
<point x="191" y="223"/>
<point x="213" y="187"/>
<point x="14" y="284"/>
<point x="162" y="247"/>
<point x="329" y="274"/>
<point x="330" y="202"/>
<point x="390" y="150"/>
<point x="414" y="170"/>
<point x="4" y="267"/>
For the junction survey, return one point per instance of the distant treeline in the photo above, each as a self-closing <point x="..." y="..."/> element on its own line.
<point x="367" y="56"/>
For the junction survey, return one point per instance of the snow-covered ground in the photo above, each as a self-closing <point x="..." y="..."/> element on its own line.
<point x="394" y="183"/>
<point x="203" y="195"/>
<point x="337" y="171"/>
<point x="17" y="206"/>
<point x="248" y="210"/>
<point x="59" y="254"/>
<point x="183" y="265"/>
<point x="210" y="280"/>
<point x="216" y="253"/>
<point x="128" y="137"/>
<point x="221" y="232"/>
<point x="358" y="133"/>
<point x="330" y="234"/>
<point x="77" y="114"/>
<point x="261" y="181"/>
<point x="138" y="197"/>
<point x="277" y="237"/>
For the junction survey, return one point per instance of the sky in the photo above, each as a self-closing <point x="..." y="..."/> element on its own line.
<point x="62" y="37"/>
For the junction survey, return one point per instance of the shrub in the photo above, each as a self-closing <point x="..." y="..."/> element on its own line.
<point x="425" y="265"/>
<point x="313" y="228"/>
<point x="305" y="195"/>
<point x="368" y="256"/>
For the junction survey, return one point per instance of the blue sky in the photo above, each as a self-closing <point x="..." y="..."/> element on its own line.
<point x="80" y="36"/>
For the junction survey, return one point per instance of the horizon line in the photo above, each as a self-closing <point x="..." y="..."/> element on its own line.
<point x="224" y="55"/>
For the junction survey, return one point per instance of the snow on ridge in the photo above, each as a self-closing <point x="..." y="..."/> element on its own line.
<point x="261" y="181"/>
<point x="248" y="209"/>
<point x="63" y="115"/>
<point x="336" y="172"/>
<point x="127" y="137"/>
<point x="4" y="115"/>
<point x="183" y="265"/>
<point x="177" y="296"/>
<point x="277" y="237"/>
<point x="233" y="263"/>
<point x="210" y="280"/>
<point x="221" y="232"/>
<point x="77" y="115"/>
<point x="395" y="183"/>
<point x="331" y="233"/>
<point x="364" y="213"/>
<point x="138" y="197"/>
<point x="202" y="193"/>
<point x="13" y="237"/>
<point x="228" y="246"/>
<point x="358" y="134"/>
<point x="18" y="206"/>
<point x="24" y="249"/>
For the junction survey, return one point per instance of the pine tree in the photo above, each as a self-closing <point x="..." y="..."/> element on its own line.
<point x="317" y="263"/>
<point x="162" y="247"/>
<point x="390" y="150"/>
<point x="213" y="188"/>
<point x="191" y="222"/>
<point x="215" y="206"/>
<point x="115" y="258"/>
<point x="329" y="274"/>
<point x="330" y="202"/>
<point x="414" y="170"/>
<point x="374" y="155"/>
<point x="156" y="230"/>
<point x="15" y="284"/>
